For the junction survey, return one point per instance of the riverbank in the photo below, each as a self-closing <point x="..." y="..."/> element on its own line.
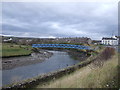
<point x="99" y="71"/>
<point x="33" y="58"/>
<point x="14" y="50"/>
<point x="29" y="83"/>
<point x="57" y="74"/>
<point x="39" y="55"/>
<point x="88" y="77"/>
<point x="98" y="74"/>
<point x="53" y="75"/>
<point x="76" y="54"/>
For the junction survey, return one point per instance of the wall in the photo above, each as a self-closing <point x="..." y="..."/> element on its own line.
<point x="110" y="42"/>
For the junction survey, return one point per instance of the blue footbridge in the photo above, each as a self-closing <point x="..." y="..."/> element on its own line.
<point x="61" y="46"/>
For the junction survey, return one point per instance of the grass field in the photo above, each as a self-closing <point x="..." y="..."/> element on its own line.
<point x="89" y="77"/>
<point x="15" y="50"/>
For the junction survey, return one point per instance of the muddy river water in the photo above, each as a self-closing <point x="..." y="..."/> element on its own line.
<point x="57" y="61"/>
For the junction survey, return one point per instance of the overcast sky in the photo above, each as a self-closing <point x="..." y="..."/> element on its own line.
<point x="68" y="19"/>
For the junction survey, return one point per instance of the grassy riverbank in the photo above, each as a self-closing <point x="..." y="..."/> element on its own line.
<point x="15" y="50"/>
<point x="32" y="82"/>
<point x="91" y="76"/>
<point x="100" y="73"/>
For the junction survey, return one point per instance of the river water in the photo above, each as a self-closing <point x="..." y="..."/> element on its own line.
<point x="59" y="60"/>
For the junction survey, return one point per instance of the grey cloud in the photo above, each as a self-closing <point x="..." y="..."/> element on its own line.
<point x="60" y="19"/>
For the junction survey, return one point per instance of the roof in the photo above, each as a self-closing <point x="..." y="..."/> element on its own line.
<point x="108" y="38"/>
<point x="117" y="36"/>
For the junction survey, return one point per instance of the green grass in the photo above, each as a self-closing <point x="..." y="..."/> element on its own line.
<point x="15" y="50"/>
<point x="89" y="77"/>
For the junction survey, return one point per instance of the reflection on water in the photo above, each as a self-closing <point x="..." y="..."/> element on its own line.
<point x="57" y="61"/>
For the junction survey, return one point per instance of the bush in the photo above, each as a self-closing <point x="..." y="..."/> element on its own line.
<point x="107" y="53"/>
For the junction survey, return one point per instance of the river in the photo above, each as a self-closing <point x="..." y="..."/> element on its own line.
<point x="59" y="60"/>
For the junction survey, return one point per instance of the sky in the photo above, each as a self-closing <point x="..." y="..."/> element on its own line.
<point x="60" y="19"/>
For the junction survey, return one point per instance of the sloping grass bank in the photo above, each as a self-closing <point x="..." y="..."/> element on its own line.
<point x="91" y="76"/>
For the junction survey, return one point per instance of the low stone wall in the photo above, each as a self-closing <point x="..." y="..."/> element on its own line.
<point x="47" y="77"/>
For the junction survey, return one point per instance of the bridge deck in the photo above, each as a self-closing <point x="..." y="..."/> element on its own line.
<point x="60" y="46"/>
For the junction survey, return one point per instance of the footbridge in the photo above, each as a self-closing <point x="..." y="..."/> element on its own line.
<point x="61" y="46"/>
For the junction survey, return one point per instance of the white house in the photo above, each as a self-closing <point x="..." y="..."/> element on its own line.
<point x="6" y="40"/>
<point x="110" y="41"/>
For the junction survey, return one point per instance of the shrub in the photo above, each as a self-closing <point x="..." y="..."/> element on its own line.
<point x="107" y="53"/>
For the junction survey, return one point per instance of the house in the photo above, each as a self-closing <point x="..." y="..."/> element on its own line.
<point x="118" y="39"/>
<point x="7" y="40"/>
<point x="110" y="41"/>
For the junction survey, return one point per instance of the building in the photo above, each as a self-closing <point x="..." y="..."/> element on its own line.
<point x="110" y="41"/>
<point x="118" y="39"/>
<point x="7" y="40"/>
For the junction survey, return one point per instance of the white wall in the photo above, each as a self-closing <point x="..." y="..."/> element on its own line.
<point x="110" y="42"/>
